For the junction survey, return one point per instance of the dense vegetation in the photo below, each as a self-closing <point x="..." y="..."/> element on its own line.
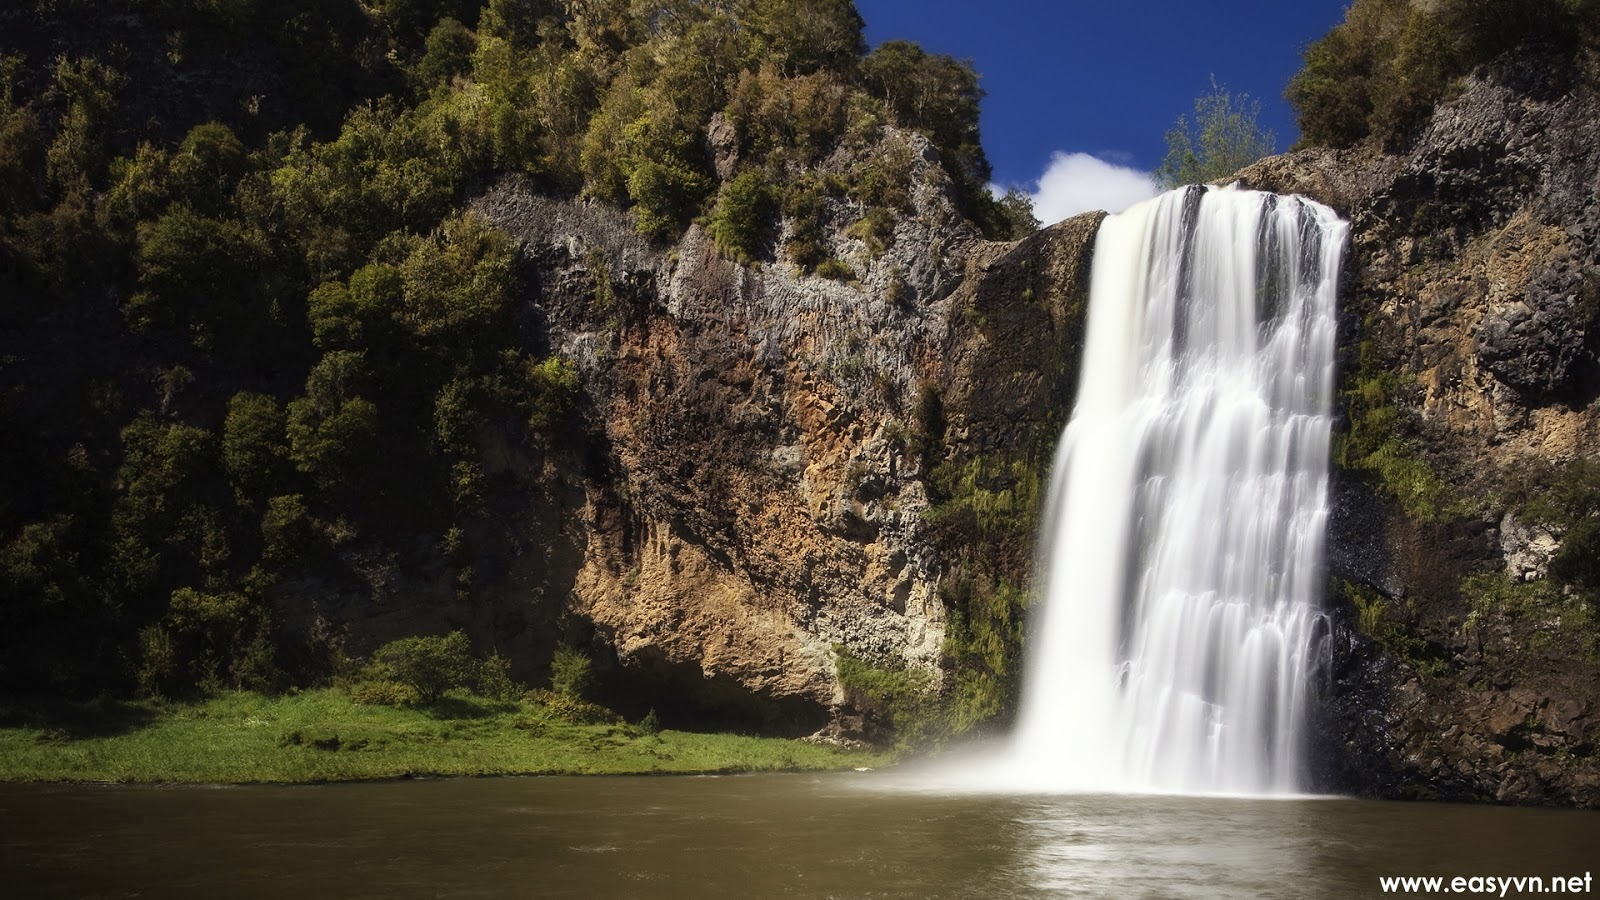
<point x="1379" y="74"/>
<point x="251" y="339"/>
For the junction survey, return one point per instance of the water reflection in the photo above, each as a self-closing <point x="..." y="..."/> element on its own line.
<point x="844" y="836"/>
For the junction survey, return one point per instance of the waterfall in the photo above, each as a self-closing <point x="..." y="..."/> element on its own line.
<point x="1177" y="631"/>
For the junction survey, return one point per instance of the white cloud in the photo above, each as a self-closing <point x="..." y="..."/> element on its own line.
<point x="1076" y="183"/>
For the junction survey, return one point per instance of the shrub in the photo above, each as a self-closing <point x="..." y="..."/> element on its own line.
<point x="1578" y="559"/>
<point x="571" y="673"/>
<point x="430" y="666"/>
<point x="1375" y="443"/>
<point x="289" y="535"/>
<point x="384" y="693"/>
<point x="572" y="709"/>
<point x="551" y="391"/>
<point x="494" y="681"/>
<point x="875" y="229"/>
<point x="834" y="269"/>
<point x="651" y="723"/>
<point x="742" y="223"/>
<point x="665" y="192"/>
<point x="209" y="641"/>
<point x="982" y="647"/>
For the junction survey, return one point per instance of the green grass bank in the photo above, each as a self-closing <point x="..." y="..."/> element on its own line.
<point x="321" y="735"/>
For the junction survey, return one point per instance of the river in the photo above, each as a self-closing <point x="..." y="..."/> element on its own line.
<point x="835" y="835"/>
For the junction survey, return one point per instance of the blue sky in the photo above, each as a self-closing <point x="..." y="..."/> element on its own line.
<point x="1094" y="86"/>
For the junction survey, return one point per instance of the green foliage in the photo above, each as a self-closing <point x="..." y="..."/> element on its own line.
<point x="834" y="269"/>
<point x="333" y="432"/>
<point x="384" y="693"/>
<point x="1380" y="73"/>
<point x="359" y="315"/>
<point x="289" y="534"/>
<point x="493" y="679"/>
<point x="1569" y="496"/>
<point x="875" y="229"/>
<point x="550" y="388"/>
<point x="571" y="708"/>
<point x="458" y="288"/>
<point x="206" y="167"/>
<point x="665" y="195"/>
<point x="22" y="144"/>
<point x="254" y="451"/>
<point x="1577" y="561"/>
<point x="1393" y="627"/>
<point x="448" y="53"/>
<point x="1376" y="444"/>
<point x="790" y="120"/>
<point x="982" y="648"/>
<point x="430" y="666"/>
<point x="742" y="223"/>
<point x="902" y="697"/>
<point x="934" y="94"/>
<point x="198" y="277"/>
<point x="807" y="35"/>
<point x="39" y="568"/>
<point x="571" y="673"/>
<point x="87" y="91"/>
<point x="1567" y="501"/>
<point x="991" y="498"/>
<point x="163" y="503"/>
<point x="208" y="640"/>
<point x="805" y="205"/>
<point x="651" y="723"/>
<point x="1555" y="622"/>
<point x="1019" y="221"/>
<point x="1223" y="138"/>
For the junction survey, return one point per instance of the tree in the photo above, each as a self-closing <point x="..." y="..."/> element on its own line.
<point x="1016" y="213"/>
<point x="253" y="447"/>
<point x="935" y="94"/>
<point x="1223" y="138"/>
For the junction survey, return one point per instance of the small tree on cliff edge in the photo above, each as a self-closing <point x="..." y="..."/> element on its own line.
<point x="1223" y="138"/>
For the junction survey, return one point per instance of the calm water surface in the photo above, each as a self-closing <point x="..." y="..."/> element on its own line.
<point x="837" y="835"/>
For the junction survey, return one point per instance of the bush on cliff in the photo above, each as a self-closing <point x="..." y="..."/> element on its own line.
<point x="1381" y="72"/>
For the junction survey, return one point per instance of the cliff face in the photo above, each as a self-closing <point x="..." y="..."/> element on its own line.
<point x="1469" y="342"/>
<point x="760" y="442"/>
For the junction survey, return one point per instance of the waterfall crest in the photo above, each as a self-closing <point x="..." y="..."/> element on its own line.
<point x="1180" y="559"/>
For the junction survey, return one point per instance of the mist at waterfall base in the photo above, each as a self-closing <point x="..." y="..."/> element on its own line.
<point x="1176" y="636"/>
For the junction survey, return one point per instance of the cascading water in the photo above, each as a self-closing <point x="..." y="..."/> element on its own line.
<point x="1182" y="548"/>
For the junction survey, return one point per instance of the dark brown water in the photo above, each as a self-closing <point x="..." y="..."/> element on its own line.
<point x="751" y="836"/>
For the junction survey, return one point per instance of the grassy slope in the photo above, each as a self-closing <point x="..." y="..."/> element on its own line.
<point x="322" y="736"/>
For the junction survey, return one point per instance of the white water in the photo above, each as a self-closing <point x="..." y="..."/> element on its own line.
<point x="1181" y="554"/>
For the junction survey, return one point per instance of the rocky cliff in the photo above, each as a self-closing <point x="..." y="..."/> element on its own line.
<point x="763" y="494"/>
<point x="1462" y="670"/>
